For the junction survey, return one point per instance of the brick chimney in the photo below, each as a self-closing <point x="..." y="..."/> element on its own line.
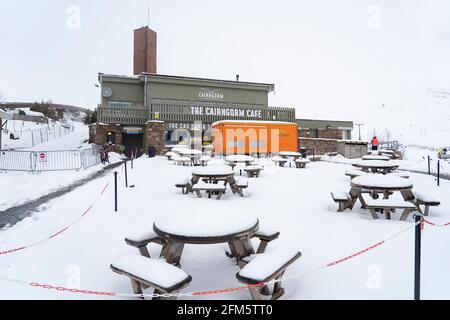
<point x="144" y="51"/>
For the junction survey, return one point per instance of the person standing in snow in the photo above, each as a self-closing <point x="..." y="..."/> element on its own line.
<point x="374" y="143"/>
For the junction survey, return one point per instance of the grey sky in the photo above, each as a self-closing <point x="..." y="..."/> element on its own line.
<point x="328" y="59"/>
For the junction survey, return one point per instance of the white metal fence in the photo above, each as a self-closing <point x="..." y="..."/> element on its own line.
<point x="42" y="135"/>
<point x="37" y="161"/>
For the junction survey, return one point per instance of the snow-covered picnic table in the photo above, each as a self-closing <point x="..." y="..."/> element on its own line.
<point x="367" y="188"/>
<point x="380" y="166"/>
<point x="375" y="157"/>
<point x="216" y="175"/>
<point x="193" y="154"/>
<point x="180" y="228"/>
<point x="233" y="160"/>
<point x="287" y="156"/>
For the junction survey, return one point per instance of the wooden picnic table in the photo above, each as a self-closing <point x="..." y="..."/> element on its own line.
<point x="376" y="184"/>
<point x="376" y="166"/>
<point x="233" y="160"/>
<point x="180" y="228"/>
<point x="375" y="157"/>
<point x="290" y="155"/>
<point x="216" y="174"/>
<point x="194" y="154"/>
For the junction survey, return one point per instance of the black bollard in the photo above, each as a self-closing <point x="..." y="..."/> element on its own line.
<point x="115" y="191"/>
<point x="429" y="168"/>
<point x="438" y="172"/>
<point x="418" y="239"/>
<point x="126" y="173"/>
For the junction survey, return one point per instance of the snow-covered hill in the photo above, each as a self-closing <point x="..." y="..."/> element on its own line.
<point x="422" y="121"/>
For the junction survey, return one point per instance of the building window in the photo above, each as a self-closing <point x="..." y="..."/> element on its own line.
<point x="313" y="133"/>
<point x="111" y="138"/>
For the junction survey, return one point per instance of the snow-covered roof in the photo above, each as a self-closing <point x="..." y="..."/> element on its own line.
<point x="252" y="122"/>
<point x="28" y="112"/>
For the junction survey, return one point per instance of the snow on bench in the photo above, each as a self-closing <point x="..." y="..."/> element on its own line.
<point x="340" y="197"/>
<point x="354" y="173"/>
<point x="204" y="160"/>
<point x="279" y="160"/>
<point x="182" y="160"/>
<point x="388" y="205"/>
<point x="253" y="170"/>
<point x="398" y="174"/>
<point x="156" y="273"/>
<point x="170" y="155"/>
<point x="266" y="267"/>
<point x="426" y="199"/>
<point x="301" y="162"/>
<point x="184" y="185"/>
<point x="141" y="239"/>
<point x="209" y="188"/>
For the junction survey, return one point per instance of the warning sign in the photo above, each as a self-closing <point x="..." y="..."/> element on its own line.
<point x="42" y="157"/>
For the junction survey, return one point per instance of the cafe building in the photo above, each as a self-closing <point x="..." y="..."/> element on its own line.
<point x="158" y="110"/>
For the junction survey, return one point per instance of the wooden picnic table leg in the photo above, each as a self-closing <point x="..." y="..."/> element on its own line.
<point x="173" y="252"/>
<point x="405" y="214"/>
<point x="241" y="248"/>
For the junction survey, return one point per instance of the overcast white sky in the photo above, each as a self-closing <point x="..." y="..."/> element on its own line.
<point x="327" y="58"/>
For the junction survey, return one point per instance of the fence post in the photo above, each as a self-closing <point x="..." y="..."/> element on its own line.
<point x="438" y="172"/>
<point x="115" y="191"/>
<point x="32" y="137"/>
<point x="126" y="174"/>
<point x="418" y="235"/>
<point x="429" y="171"/>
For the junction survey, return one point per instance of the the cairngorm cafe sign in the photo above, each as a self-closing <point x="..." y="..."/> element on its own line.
<point x="226" y="112"/>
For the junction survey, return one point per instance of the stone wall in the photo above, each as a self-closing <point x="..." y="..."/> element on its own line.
<point x="320" y="146"/>
<point x="154" y="136"/>
<point x="329" y="134"/>
<point x="101" y="133"/>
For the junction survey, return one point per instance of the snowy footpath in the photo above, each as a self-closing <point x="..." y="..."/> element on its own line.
<point x="73" y="239"/>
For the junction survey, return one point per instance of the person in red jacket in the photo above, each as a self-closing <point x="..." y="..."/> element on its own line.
<point x="375" y="143"/>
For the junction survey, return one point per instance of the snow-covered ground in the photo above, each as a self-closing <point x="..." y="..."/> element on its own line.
<point x="296" y="202"/>
<point x="19" y="187"/>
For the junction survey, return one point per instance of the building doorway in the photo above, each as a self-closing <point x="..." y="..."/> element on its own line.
<point x="133" y="143"/>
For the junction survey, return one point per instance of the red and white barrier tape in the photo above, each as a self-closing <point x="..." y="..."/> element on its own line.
<point x="9" y="251"/>
<point x="210" y="292"/>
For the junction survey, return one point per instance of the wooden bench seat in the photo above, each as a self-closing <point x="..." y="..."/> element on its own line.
<point x="280" y="161"/>
<point x="156" y="273"/>
<point x="253" y="170"/>
<point x="425" y="199"/>
<point x="209" y="188"/>
<point x="265" y="267"/>
<point x="301" y="163"/>
<point x="140" y="240"/>
<point x="241" y="184"/>
<point x="388" y="205"/>
<point x="204" y="160"/>
<point x="420" y="198"/>
<point x="354" y="173"/>
<point x="341" y="198"/>
<point x="185" y="186"/>
<point x="182" y="161"/>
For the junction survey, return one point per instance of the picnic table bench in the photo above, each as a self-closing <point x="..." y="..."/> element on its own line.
<point x="141" y="240"/>
<point x="279" y="160"/>
<point x="185" y="186"/>
<point x="156" y="273"/>
<point x="420" y="198"/>
<point x="253" y="170"/>
<point x="182" y="160"/>
<point x="265" y="267"/>
<point x="301" y="163"/>
<point x="387" y="206"/>
<point x="210" y="188"/>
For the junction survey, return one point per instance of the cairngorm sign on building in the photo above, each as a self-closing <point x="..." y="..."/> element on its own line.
<point x="227" y="112"/>
<point x="216" y="94"/>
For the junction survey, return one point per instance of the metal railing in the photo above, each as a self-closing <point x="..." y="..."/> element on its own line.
<point x="42" y="135"/>
<point x="37" y="161"/>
